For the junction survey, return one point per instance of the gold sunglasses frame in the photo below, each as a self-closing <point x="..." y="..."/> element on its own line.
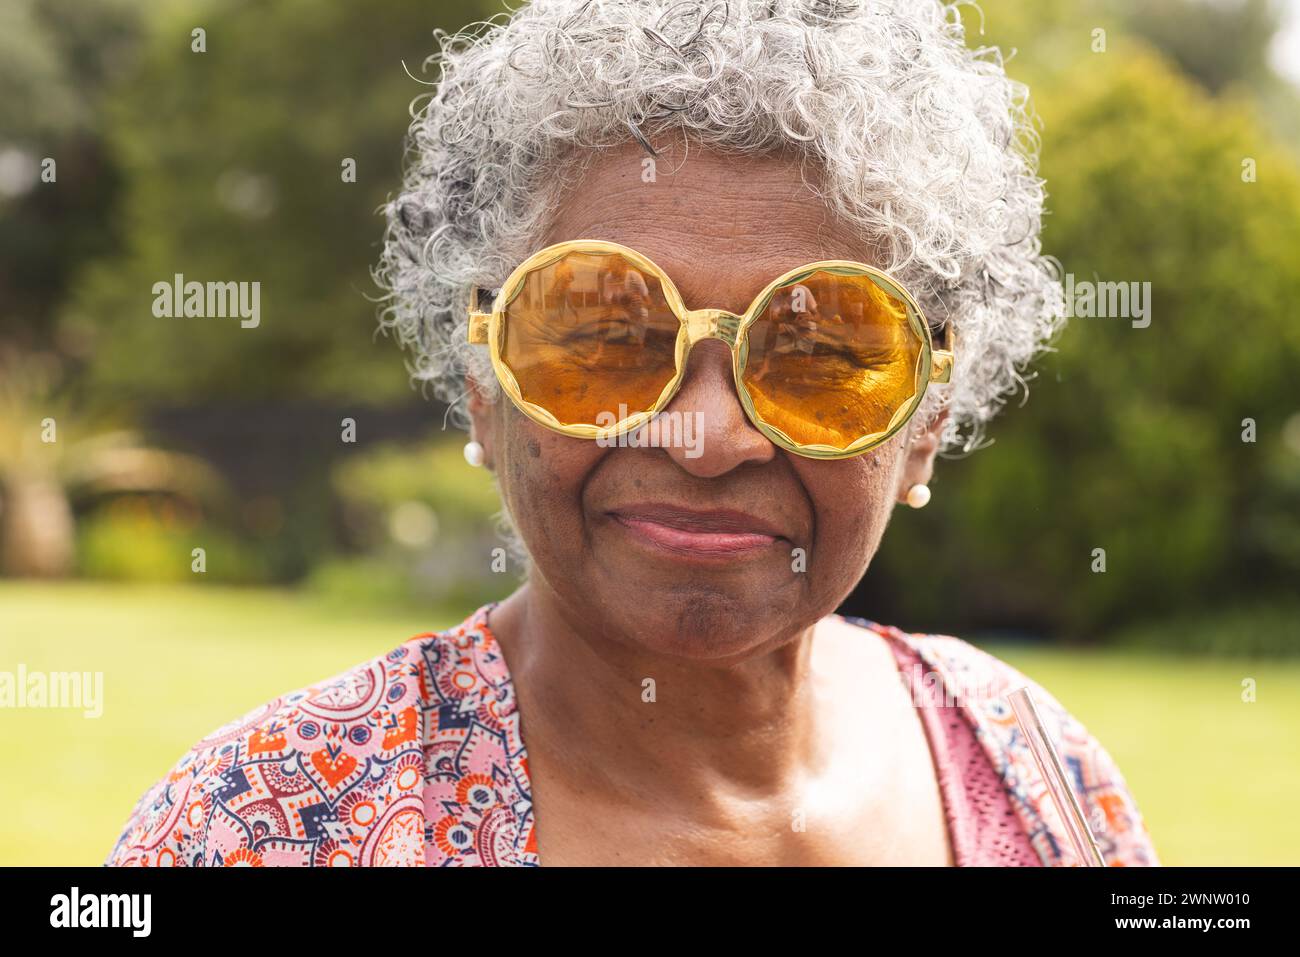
<point x="488" y="328"/>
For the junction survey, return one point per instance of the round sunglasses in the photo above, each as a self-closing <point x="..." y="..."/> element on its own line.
<point x="591" y="339"/>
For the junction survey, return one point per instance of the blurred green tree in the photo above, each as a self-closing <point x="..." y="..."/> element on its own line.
<point x="57" y="60"/>
<point x="1133" y="439"/>
<point x="1218" y="42"/>
<point x="235" y="161"/>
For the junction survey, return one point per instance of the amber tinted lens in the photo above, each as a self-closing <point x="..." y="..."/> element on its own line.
<point x="590" y="336"/>
<point x="832" y="359"/>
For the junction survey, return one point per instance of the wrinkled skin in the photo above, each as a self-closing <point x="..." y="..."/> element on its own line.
<point x="750" y="715"/>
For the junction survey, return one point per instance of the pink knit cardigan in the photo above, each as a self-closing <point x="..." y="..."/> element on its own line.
<point x="416" y="758"/>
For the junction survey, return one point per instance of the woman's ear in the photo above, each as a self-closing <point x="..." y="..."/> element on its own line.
<point x="918" y="464"/>
<point x="482" y="422"/>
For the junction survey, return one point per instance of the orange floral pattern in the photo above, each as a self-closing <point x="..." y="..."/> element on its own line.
<point x="416" y="758"/>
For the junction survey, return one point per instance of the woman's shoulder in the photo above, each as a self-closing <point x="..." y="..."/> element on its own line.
<point x="329" y="774"/>
<point x="978" y="682"/>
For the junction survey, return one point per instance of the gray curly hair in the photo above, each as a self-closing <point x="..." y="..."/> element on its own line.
<point x="923" y="143"/>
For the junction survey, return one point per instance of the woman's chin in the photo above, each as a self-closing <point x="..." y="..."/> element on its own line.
<point x="696" y="621"/>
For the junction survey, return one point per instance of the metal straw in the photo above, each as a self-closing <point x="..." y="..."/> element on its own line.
<point x="1058" y="784"/>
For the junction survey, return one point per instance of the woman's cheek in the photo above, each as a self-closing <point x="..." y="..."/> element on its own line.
<point x="852" y="510"/>
<point x="543" y="480"/>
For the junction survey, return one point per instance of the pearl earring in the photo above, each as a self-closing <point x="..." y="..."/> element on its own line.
<point x="474" y="453"/>
<point x="918" y="496"/>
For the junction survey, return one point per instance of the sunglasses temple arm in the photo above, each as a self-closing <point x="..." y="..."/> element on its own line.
<point x="478" y="327"/>
<point x="941" y="360"/>
<point x="940" y="365"/>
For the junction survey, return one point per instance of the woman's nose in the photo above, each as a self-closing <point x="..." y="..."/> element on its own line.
<point x="711" y="434"/>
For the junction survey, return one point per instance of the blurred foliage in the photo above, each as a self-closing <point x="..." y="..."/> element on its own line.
<point x="58" y="457"/>
<point x="233" y="166"/>
<point x="1131" y="440"/>
<point x="434" y="474"/>
<point x="389" y="581"/>
<point x="223" y="165"/>
<point x="1261" y="629"/>
<point x="420" y="522"/>
<point x="1218" y="42"/>
<point x="63" y="55"/>
<point x="137" y="540"/>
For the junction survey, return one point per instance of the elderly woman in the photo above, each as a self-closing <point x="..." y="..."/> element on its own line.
<point x="820" y="219"/>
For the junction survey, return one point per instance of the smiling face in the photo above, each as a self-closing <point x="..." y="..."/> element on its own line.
<point x="724" y="545"/>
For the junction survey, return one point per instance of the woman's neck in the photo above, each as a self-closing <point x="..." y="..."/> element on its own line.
<point x="615" y="717"/>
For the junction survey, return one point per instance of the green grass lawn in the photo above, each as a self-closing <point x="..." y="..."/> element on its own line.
<point x="178" y="662"/>
<point x="1215" y="777"/>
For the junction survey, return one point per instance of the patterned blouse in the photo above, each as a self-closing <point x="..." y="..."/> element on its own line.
<point x="415" y="758"/>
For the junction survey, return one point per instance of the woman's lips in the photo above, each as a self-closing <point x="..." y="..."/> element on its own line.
<point x="719" y="533"/>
